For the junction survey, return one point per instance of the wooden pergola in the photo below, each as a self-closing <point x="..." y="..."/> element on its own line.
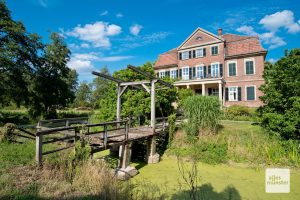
<point x="147" y="85"/>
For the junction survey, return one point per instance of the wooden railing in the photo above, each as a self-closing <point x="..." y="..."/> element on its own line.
<point x="106" y="128"/>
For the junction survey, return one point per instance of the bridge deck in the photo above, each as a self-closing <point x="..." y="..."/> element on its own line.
<point x="118" y="137"/>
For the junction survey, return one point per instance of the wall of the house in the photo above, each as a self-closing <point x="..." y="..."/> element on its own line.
<point x="242" y="80"/>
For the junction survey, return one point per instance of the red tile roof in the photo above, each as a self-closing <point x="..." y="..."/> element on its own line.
<point x="167" y="59"/>
<point x="239" y="45"/>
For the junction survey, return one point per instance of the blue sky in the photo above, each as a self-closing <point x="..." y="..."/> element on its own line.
<point x="116" y="33"/>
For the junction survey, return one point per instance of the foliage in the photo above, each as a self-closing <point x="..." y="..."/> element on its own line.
<point x="136" y="103"/>
<point x="33" y="74"/>
<point x="202" y="113"/>
<point x="16" y="117"/>
<point x="50" y="85"/>
<point x="172" y="127"/>
<point x="83" y="96"/>
<point x="8" y="133"/>
<point x="183" y="94"/>
<point x="281" y="112"/>
<point x="19" y="55"/>
<point x="100" y="88"/>
<point x="240" y="113"/>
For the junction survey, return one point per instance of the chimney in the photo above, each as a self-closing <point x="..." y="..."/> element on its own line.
<point x="219" y="32"/>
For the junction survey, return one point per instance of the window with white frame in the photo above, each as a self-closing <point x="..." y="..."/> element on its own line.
<point x="214" y="50"/>
<point x="162" y="74"/>
<point x="233" y="93"/>
<point x="250" y="93"/>
<point x="200" y="71"/>
<point x="185" y="55"/>
<point x="232" y="69"/>
<point x="215" y="91"/>
<point x="249" y="67"/>
<point x="185" y="73"/>
<point x="199" y="52"/>
<point x="215" y="69"/>
<point x="173" y="73"/>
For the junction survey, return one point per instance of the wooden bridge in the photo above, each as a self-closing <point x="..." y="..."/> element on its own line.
<point x="107" y="135"/>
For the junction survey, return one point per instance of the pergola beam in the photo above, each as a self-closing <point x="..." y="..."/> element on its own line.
<point x="149" y="76"/>
<point x="107" y="77"/>
<point x="135" y="83"/>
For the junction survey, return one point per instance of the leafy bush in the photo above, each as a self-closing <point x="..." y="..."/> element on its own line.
<point x="203" y="114"/>
<point x="172" y="127"/>
<point x="281" y="112"/>
<point x="211" y="152"/>
<point x="15" y="117"/>
<point x="239" y="113"/>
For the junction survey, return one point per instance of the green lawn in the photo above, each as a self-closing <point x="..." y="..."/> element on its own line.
<point x="217" y="181"/>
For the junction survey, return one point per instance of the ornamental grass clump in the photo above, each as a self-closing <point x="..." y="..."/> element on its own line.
<point x="202" y="113"/>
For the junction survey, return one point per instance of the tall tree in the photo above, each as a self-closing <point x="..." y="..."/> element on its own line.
<point x="83" y="95"/>
<point x="281" y="112"/>
<point x="19" y="55"/>
<point x="53" y="81"/>
<point x="100" y="87"/>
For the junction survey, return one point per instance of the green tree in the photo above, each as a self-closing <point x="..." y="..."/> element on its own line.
<point x="19" y="55"/>
<point x="281" y="112"/>
<point x="83" y="95"/>
<point x="136" y="102"/>
<point x="53" y="83"/>
<point x="100" y="88"/>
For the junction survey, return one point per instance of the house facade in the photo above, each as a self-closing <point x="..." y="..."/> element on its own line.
<point x="225" y="65"/>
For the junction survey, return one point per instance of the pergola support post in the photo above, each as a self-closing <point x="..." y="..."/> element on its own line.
<point x="152" y="156"/>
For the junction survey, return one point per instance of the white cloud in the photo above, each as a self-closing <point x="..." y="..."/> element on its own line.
<point x="284" y="19"/>
<point x="114" y="58"/>
<point x="97" y="33"/>
<point x="299" y="21"/>
<point x="85" y="45"/>
<point x="105" y="12"/>
<point x="135" y="29"/>
<point x="268" y="38"/>
<point x="80" y="65"/>
<point x="272" y="60"/>
<point x="119" y="15"/>
<point x="248" y="30"/>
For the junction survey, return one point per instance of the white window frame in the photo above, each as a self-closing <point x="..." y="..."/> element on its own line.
<point x="173" y="76"/>
<point x="183" y="55"/>
<point x="211" y="69"/>
<point x="249" y="59"/>
<point x="186" y="76"/>
<point x="161" y="73"/>
<point x="198" y="67"/>
<point x="201" y="54"/>
<point x="246" y="92"/>
<point x="237" y="93"/>
<point x="236" y="68"/>
<point x="211" y="50"/>
<point x="215" y="91"/>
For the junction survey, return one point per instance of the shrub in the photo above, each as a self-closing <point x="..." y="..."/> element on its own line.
<point x="202" y="113"/>
<point x="172" y="127"/>
<point x="239" y="113"/>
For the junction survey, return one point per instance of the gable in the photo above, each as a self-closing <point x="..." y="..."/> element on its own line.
<point x="199" y="37"/>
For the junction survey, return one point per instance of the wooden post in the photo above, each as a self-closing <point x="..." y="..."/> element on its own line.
<point x="118" y="114"/>
<point x="105" y="136"/>
<point x="39" y="149"/>
<point x="153" y="104"/>
<point x="126" y="130"/>
<point x="220" y="93"/>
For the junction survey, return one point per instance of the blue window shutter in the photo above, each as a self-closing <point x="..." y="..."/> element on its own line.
<point x="180" y="73"/>
<point x="221" y="70"/>
<point x="239" y="94"/>
<point x="194" y="53"/>
<point x="190" y="73"/>
<point x="204" y="71"/>
<point x="180" y="56"/>
<point x="209" y="70"/>
<point x="226" y="94"/>
<point x="204" y="52"/>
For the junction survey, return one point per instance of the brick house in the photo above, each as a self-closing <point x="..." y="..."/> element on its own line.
<point x="226" y="65"/>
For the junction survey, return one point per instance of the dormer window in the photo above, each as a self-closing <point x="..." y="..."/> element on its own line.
<point x="198" y="38"/>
